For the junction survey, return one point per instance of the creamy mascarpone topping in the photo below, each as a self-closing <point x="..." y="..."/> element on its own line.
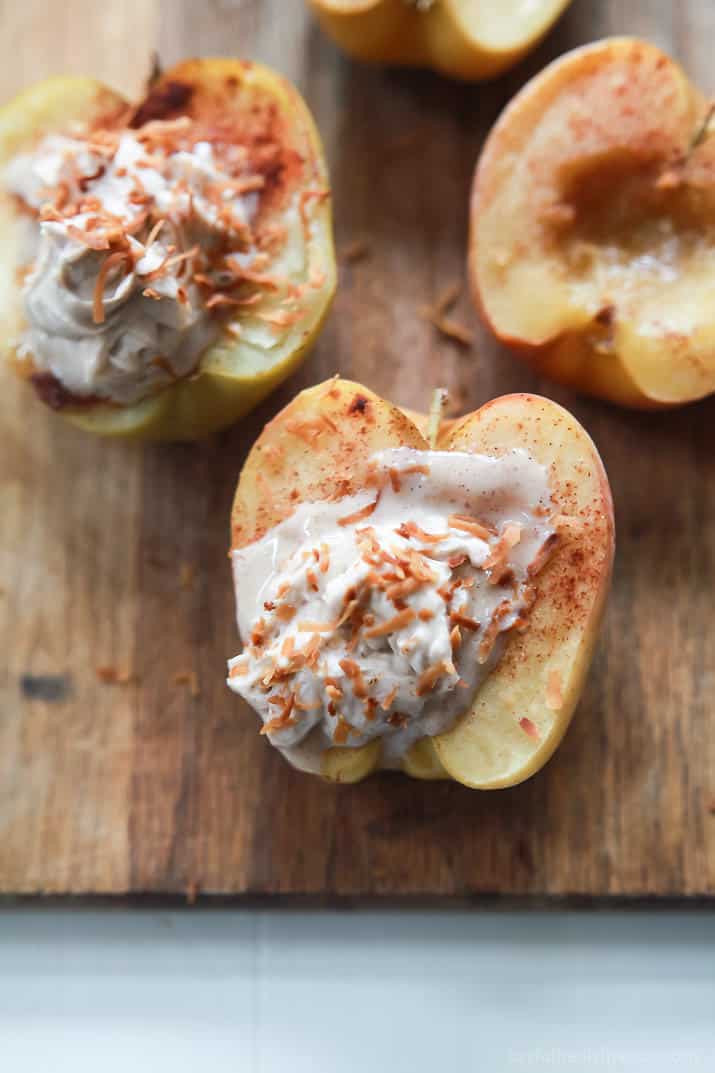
<point x="361" y="621"/>
<point x="141" y="239"/>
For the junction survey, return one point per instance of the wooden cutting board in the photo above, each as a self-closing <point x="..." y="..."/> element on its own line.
<point x="157" y="787"/>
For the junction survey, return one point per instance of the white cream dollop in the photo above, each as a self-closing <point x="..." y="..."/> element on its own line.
<point x="154" y="328"/>
<point x="386" y="625"/>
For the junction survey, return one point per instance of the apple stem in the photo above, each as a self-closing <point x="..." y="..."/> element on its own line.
<point x="703" y="130"/>
<point x="436" y="410"/>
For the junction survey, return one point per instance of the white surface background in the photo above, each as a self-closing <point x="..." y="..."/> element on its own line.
<point x="401" y="991"/>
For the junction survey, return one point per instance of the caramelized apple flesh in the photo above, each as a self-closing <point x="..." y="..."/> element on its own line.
<point x="592" y="248"/>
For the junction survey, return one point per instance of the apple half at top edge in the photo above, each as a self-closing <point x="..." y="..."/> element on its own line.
<point x="590" y="252"/>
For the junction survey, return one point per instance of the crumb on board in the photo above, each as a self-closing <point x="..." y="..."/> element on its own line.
<point x="192" y="891"/>
<point x="436" y="314"/>
<point x="357" y="250"/>
<point x="190" y="679"/>
<point x="187" y="574"/>
<point x="115" y="676"/>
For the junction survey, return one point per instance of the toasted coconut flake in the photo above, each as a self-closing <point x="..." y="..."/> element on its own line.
<point x="285" y="719"/>
<point x="389" y="699"/>
<point x="342" y="731"/>
<point x="492" y="631"/>
<point x="543" y="554"/>
<point x="288" y="647"/>
<point x="411" y="529"/>
<point x="400" y="589"/>
<point x="425" y="614"/>
<point x="285" y="612"/>
<point x="429" y="678"/>
<point x="352" y="670"/>
<point x="399" y="720"/>
<point x="464" y="620"/>
<point x="455" y="637"/>
<point x="358" y="515"/>
<point x="108" y="264"/>
<point x="417" y="467"/>
<point x="308" y="626"/>
<point x="370" y="709"/>
<point x="466" y="524"/>
<point x="391" y="625"/>
<point x="306" y="198"/>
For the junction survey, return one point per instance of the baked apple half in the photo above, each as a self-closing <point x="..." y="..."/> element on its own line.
<point x="425" y="607"/>
<point x="592" y="247"/>
<point x="165" y="264"/>
<point x="466" y="39"/>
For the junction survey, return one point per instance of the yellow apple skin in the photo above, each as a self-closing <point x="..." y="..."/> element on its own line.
<point x="488" y="748"/>
<point x="590" y="250"/>
<point x="541" y="675"/>
<point x="233" y="376"/>
<point x="463" y="39"/>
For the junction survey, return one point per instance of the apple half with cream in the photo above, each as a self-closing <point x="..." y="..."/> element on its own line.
<point x="165" y="263"/>
<point x="415" y="606"/>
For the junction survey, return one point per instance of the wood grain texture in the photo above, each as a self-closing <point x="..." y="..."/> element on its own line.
<point x="108" y="789"/>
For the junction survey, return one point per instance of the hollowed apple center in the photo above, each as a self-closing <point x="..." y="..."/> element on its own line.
<point x="636" y="240"/>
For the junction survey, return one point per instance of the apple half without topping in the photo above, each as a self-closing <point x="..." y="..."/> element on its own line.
<point x="592" y="245"/>
<point x="464" y="39"/>
<point x="319" y="447"/>
<point x="239" y="368"/>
